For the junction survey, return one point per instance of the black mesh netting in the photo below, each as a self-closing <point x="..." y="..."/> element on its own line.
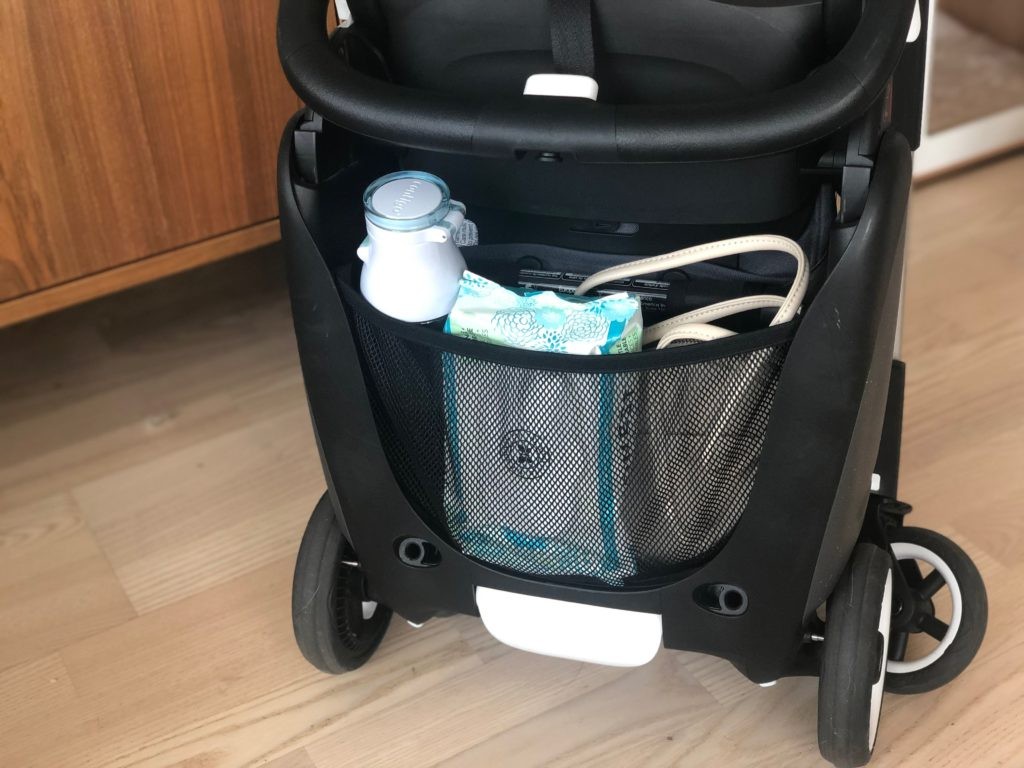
<point x="618" y="477"/>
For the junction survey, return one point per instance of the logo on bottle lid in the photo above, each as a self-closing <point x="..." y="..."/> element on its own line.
<point x="407" y="196"/>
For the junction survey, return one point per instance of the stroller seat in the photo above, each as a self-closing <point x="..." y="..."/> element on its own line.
<point x="669" y="51"/>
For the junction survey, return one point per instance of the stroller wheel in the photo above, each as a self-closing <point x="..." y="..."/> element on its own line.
<point x="337" y="626"/>
<point x="956" y="636"/>
<point x="852" y="665"/>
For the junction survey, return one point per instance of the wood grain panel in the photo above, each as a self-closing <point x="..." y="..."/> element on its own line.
<point x="131" y="128"/>
<point x="134" y="273"/>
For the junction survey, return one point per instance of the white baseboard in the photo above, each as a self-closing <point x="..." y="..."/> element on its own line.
<point x="968" y="143"/>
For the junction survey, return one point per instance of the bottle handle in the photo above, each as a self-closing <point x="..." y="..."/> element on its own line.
<point x="445" y="229"/>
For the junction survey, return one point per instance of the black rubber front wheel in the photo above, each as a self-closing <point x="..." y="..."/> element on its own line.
<point x="337" y="626"/>
<point x="956" y="636"/>
<point x="853" y="658"/>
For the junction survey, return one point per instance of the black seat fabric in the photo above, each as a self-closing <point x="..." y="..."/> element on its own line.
<point x="648" y="51"/>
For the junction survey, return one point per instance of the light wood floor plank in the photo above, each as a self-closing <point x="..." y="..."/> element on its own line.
<point x="209" y="512"/>
<point x="39" y="705"/>
<point x="56" y="585"/>
<point x="297" y="759"/>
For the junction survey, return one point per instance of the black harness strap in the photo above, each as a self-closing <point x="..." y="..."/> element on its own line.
<point x="572" y="37"/>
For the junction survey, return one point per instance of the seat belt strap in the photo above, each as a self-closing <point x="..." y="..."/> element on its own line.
<point x="572" y="37"/>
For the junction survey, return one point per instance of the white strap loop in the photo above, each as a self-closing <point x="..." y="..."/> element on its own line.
<point x="694" y="325"/>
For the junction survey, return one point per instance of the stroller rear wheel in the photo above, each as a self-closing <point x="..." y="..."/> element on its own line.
<point x="337" y="625"/>
<point x="853" y="658"/>
<point x="957" y="636"/>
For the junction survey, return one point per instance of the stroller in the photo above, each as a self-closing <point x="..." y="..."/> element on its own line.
<point x="734" y="497"/>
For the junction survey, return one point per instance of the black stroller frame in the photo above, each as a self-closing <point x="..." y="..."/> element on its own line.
<point x="822" y="513"/>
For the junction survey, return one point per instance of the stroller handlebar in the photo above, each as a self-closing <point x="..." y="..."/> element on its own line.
<point x="828" y="99"/>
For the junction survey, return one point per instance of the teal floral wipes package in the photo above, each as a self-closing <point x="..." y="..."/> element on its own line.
<point x="544" y="320"/>
<point x="539" y="423"/>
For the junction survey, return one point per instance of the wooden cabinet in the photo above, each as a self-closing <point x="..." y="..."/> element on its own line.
<point x="137" y="138"/>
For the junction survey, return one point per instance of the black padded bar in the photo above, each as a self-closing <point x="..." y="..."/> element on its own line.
<point x="828" y="99"/>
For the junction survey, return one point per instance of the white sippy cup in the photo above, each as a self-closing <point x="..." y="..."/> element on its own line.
<point x="412" y="265"/>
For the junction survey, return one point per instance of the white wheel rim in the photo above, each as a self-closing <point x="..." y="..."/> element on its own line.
<point x="878" y="687"/>
<point x="907" y="551"/>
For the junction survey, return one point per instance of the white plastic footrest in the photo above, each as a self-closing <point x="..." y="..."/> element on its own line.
<point x="568" y="630"/>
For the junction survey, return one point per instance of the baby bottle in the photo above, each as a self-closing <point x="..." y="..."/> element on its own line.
<point x="412" y="265"/>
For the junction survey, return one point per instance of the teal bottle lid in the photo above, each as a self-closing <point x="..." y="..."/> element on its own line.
<point x="407" y="201"/>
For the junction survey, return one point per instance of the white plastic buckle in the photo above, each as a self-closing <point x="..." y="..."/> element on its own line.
<point x="569" y="630"/>
<point x="575" y="86"/>
<point x="915" y="24"/>
<point x="343" y="13"/>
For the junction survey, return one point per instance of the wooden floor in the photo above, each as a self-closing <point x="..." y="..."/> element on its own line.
<point x="157" y="468"/>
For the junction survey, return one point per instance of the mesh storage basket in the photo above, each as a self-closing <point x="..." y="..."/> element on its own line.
<point x="612" y="469"/>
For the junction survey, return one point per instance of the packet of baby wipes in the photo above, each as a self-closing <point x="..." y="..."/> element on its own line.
<point x="544" y="320"/>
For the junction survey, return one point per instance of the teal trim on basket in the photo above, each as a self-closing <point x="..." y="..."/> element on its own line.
<point x="457" y="516"/>
<point x="605" y="487"/>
